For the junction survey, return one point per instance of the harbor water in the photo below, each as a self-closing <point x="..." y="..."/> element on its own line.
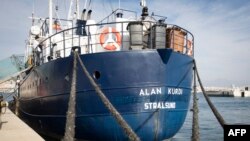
<point x="234" y="111"/>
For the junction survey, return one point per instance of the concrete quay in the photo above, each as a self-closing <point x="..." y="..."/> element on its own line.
<point x="12" y="128"/>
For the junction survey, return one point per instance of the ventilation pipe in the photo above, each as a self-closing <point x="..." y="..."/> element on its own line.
<point x="89" y="14"/>
<point x="83" y="14"/>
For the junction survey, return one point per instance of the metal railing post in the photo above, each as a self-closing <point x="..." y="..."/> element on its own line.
<point x="88" y="41"/>
<point x="63" y="43"/>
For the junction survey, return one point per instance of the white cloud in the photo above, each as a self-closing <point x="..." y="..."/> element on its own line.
<point x="221" y="29"/>
<point x="222" y="39"/>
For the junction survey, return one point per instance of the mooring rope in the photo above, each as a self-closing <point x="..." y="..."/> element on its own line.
<point x="195" y="125"/>
<point x="126" y="128"/>
<point x="69" y="133"/>
<point x="213" y="108"/>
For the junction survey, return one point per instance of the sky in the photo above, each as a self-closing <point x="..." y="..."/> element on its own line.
<point x="221" y="29"/>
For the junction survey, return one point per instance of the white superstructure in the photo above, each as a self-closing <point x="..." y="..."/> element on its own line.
<point x="241" y="92"/>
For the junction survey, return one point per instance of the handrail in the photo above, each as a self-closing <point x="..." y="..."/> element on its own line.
<point x="68" y="35"/>
<point x="45" y="25"/>
<point x="100" y="24"/>
<point x="107" y="17"/>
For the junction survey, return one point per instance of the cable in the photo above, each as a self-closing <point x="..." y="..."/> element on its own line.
<point x="111" y="6"/>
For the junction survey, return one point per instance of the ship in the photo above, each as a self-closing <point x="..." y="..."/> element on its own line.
<point x="142" y="64"/>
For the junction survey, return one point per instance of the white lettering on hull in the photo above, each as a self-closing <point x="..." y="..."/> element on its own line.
<point x="175" y="91"/>
<point x="159" y="91"/>
<point x="159" y="105"/>
<point x="150" y="91"/>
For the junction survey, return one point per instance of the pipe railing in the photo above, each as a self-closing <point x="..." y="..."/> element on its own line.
<point x="64" y="40"/>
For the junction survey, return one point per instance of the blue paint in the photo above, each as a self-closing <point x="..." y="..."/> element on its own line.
<point x="122" y="76"/>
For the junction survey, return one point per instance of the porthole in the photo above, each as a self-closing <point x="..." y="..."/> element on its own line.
<point x="97" y="75"/>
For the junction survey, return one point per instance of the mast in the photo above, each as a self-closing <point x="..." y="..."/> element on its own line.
<point x="50" y="17"/>
<point x="143" y="3"/>
<point x="70" y="8"/>
<point x="33" y="13"/>
<point x="144" y="9"/>
<point x="77" y="9"/>
<point x="119" y="4"/>
<point x="73" y="14"/>
<point x="85" y="4"/>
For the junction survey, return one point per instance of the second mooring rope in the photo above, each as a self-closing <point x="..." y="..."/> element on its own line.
<point x="127" y="129"/>
<point x="69" y="133"/>
<point x="215" y="111"/>
<point x="195" y="125"/>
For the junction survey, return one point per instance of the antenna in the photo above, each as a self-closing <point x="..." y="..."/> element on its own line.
<point x="85" y="4"/>
<point x="70" y="8"/>
<point x="33" y="13"/>
<point x="77" y="9"/>
<point x="50" y="17"/>
<point x="144" y="9"/>
<point x="119" y="4"/>
<point x="143" y="3"/>
<point x="33" y="20"/>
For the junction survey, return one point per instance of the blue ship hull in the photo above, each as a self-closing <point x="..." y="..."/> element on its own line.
<point x="150" y="88"/>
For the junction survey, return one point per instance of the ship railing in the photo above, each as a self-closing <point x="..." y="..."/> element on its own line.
<point x="58" y="24"/>
<point x="87" y="39"/>
<point x="119" y="13"/>
<point x="180" y="40"/>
